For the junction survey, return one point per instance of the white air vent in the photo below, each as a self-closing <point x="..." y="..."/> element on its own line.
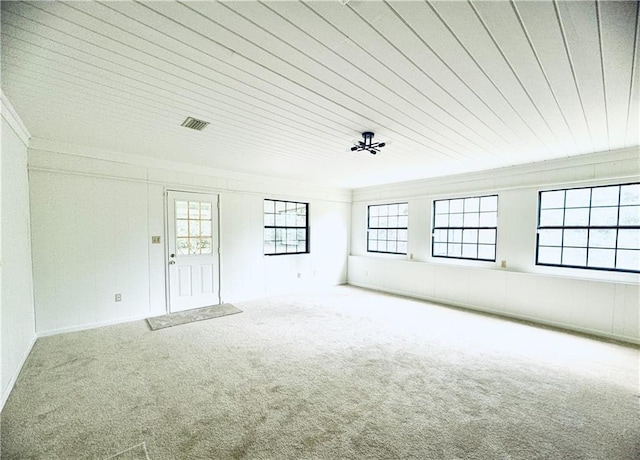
<point x="193" y="123"/>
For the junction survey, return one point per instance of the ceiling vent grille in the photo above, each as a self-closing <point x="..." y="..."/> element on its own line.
<point x="194" y="123"/>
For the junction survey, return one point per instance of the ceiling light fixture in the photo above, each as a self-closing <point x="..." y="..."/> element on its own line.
<point x="368" y="144"/>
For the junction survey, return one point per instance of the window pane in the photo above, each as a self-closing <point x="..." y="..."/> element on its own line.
<point x="456" y="206"/>
<point x="454" y="250"/>
<point x="403" y="221"/>
<point x="205" y="228"/>
<point x="488" y="219"/>
<point x="486" y="252"/>
<point x="602" y="238"/>
<point x="440" y="249"/>
<point x="402" y="247"/>
<point x="403" y="209"/>
<point x="194" y="210"/>
<point x="382" y="245"/>
<point x="455" y="236"/>
<point x="393" y="221"/>
<point x="441" y="235"/>
<point x="629" y="215"/>
<point x="373" y="245"/>
<point x="550" y="200"/>
<point x="205" y="210"/>
<point x="182" y="228"/>
<point x="374" y="211"/>
<point x="392" y="246"/>
<point x="181" y="209"/>
<point x="194" y="228"/>
<point x="577" y="217"/>
<point x="470" y="236"/>
<point x="374" y="222"/>
<point x="382" y="234"/>
<point x="601" y="258"/>
<point x="470" y="251"/>
<point x="392" y="234"/>
<point x="549" y="255"/>
<point x="628" y="260"/>
<point x="383" y="210"/>
<point x="302" y="246"/>
<point x="575" y="238"/>
<point x="205" y="246"/>
<point x="471" y="219"/>
<point x="393" y="209"/>
<point x="579" y="198"/>
<point x="269" y="206"/>
<point x="281" y="207"/>
<point x="194" y="246"/>
<point x="301" y="234"/>
<point x="471" y="204"/>
<point x="629" y="239"/>
<point x="455" y="220"/>
<point x="442" y="220"/>
<point x="489" y="203"/>
<point x="269" y="219"/>
<point x="301" y="220"/>
<point x="442" y="207"/>
<point x="550" y="237"/>
<point x="182" y="246"/>
<point x="384" y="221"/>
<point x="487" y="236"/>
<point x="574" y="256"/>
<point x="630" y="194"/>
<point x="605" y="196"/>
<point x="551" y="218"/>
<point x="604" y="217"/>
<point x="269" y="235"/>
<point x="281" y="219"/>
<point x="291" y="218"/>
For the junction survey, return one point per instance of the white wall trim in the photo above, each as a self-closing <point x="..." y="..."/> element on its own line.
<point x="84" y="327"/>
<point x="15" y="375"/>
<point x="14" y="120"/>
<point x="62" y="148"/>
<point x="501" y="179"/>
<point x="500" y="313"/>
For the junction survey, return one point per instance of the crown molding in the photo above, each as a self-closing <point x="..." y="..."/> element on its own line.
<point x="14" y="120"/>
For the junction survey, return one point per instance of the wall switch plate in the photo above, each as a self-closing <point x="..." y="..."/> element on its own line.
<point x="118" y="297"/>
<point x="155" y="240"/>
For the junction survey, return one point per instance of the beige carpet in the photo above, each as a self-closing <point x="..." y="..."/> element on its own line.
<point x="343" y="374"/>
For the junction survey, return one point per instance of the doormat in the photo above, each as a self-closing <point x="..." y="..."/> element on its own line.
<point x="190" y="316"/>
<point x="138" y="452"/>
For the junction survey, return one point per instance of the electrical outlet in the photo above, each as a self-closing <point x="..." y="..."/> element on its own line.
<point x="411" y="256"/>
<point x="155" y="240"/>
<point x="299" y="275"/>
<point x="503" y="264"/>
<point x="118" y="297"/>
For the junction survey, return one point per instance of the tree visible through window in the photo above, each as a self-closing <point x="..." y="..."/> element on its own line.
<point x="286" y="227"/>
<point x="590" y="227"/>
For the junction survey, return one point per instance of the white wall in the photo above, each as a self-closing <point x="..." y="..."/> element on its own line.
<point x="17" y="323"/>
<point x="598" y="302"/>
<point x="92" y="222"/>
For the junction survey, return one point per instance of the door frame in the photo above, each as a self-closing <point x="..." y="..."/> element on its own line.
<point x="165" y="209"/>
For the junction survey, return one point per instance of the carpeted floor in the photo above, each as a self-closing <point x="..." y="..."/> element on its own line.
<point x="342" y="374"/>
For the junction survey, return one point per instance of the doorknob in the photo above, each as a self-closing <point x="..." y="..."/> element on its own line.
<point x="171" y="262"/>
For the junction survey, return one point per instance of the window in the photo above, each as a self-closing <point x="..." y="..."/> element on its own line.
<point x="465" y="228"/>
<point x="286" y="227"/>
<point x="193" y="227"/>
<point x="590" y="227"/>
<point x="387" y="228"/>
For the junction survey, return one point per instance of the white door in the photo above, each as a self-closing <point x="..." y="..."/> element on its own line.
<point x="193" y="250"/>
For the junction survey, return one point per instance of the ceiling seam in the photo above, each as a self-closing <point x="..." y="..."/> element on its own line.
<point x="573" y="71"/>
<point x="544" y="73"/>
<point x="366" y="74"/>
<point x="495" y="42"/>
<point x="484" y="72"/>
<point x="604" y="83"/>
<point x="633" y="73"/>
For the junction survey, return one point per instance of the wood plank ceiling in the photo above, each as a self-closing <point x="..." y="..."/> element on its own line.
<point x="289" y="86"/>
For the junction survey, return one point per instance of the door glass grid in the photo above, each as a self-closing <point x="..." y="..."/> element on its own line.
<point x="194" y="229"/>
<point x="590" y="227"/>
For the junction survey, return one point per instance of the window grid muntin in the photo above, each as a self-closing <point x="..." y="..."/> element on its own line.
<point x="397" y="241"/>
<point x="588" y="247"/>
<point x="301" y="227"/>
<point x="437" y="229"/>
<point x="197" y="243"/>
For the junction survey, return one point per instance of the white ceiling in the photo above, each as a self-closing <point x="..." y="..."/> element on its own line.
<point x="289" y="86"/>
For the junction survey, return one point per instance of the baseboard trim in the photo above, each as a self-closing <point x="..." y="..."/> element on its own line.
<point x="529" y="319"/>
<point x="14" y="377"/>
<point x="84" y="327"/>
